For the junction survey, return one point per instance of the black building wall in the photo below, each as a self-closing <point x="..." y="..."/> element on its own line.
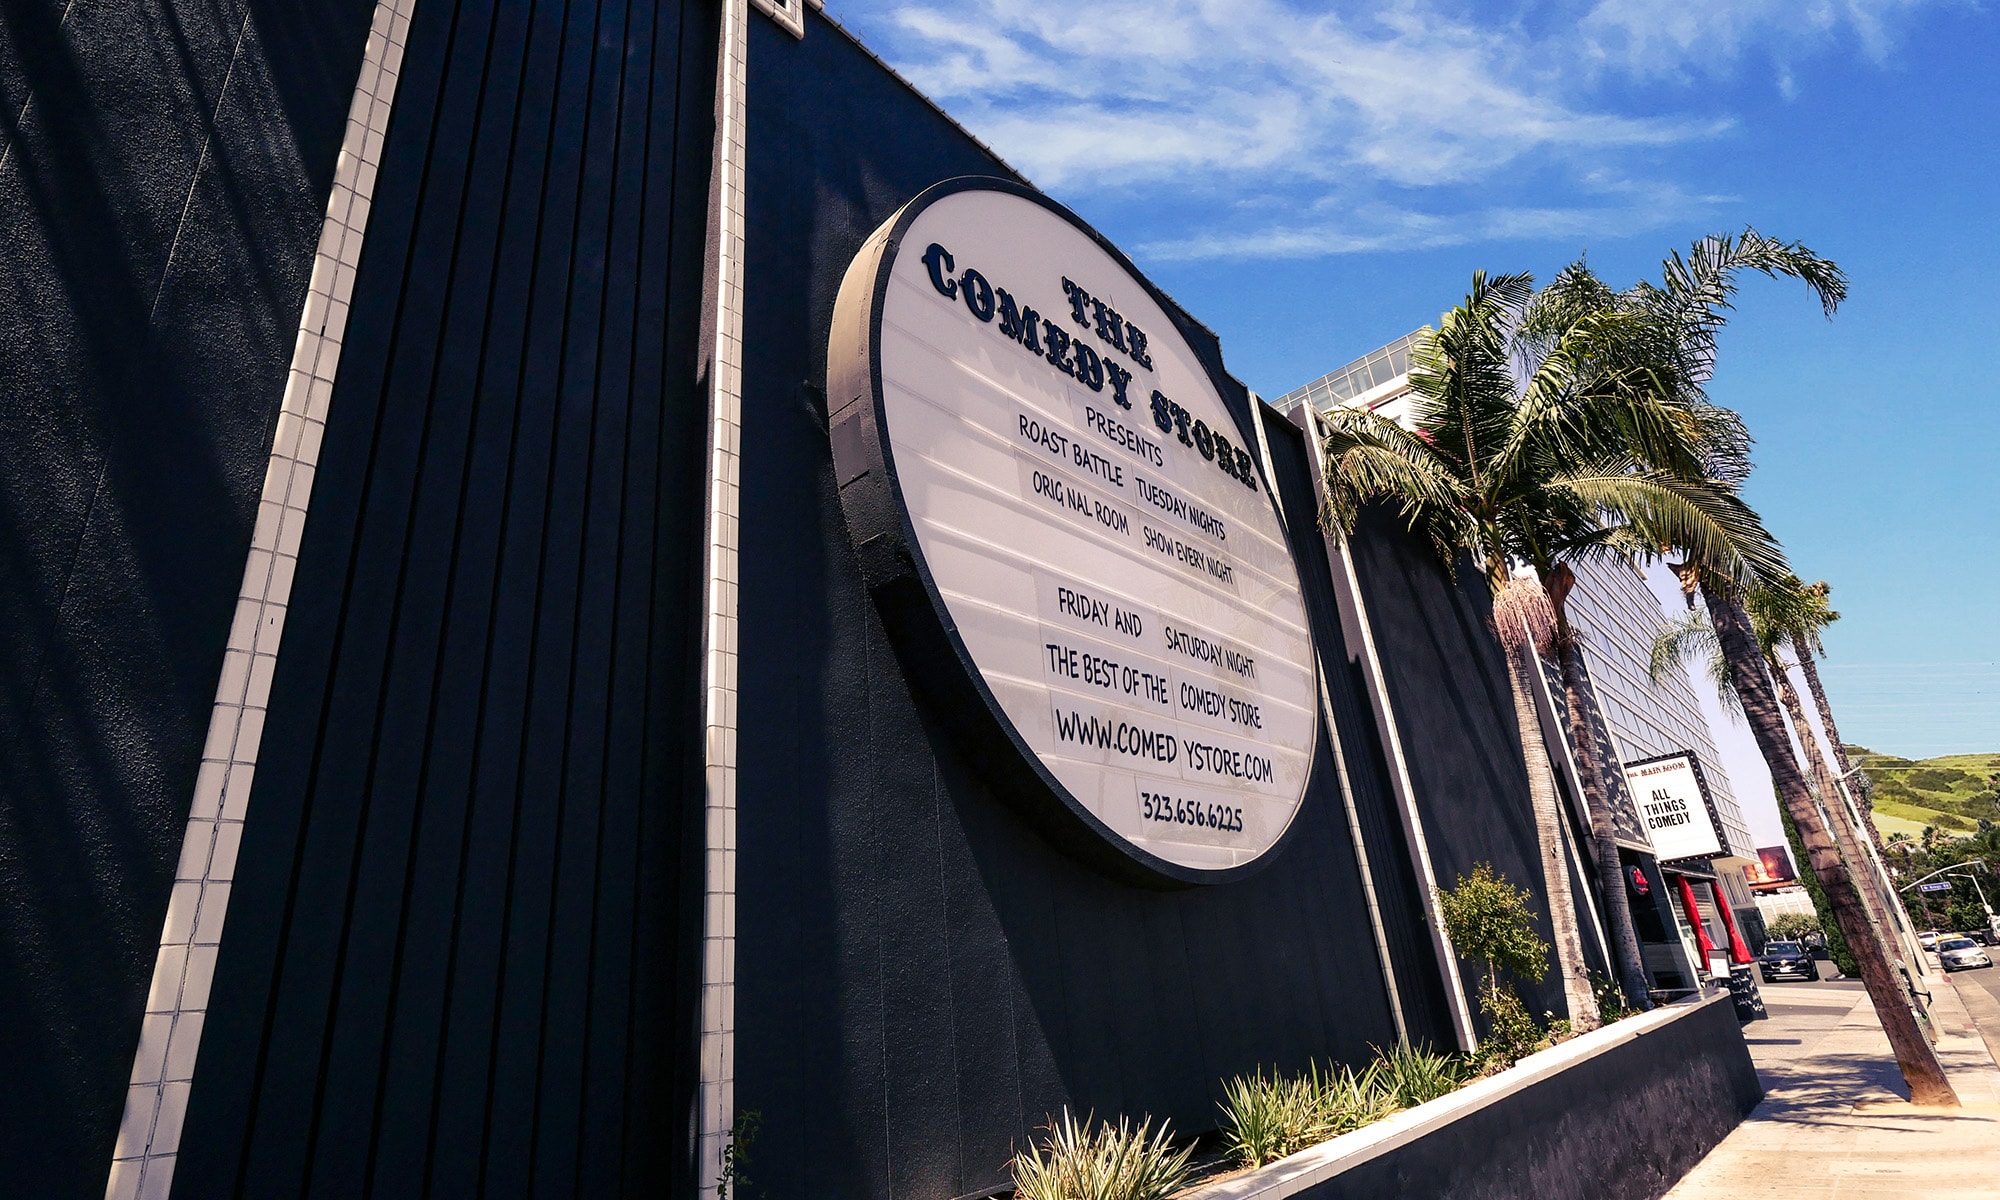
<point x="459" y="953"/>
<point x="1399" y="887"/>
<point x="164" y="169"/>
<point x="1447" y="683"/>
<point x="921" y="979"/>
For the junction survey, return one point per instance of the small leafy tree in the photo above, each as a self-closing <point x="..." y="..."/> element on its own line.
<point x="1792" y="927"/>
<point x="1489" y="922"/>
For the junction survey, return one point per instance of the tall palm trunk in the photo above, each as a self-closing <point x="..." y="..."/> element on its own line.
<point x="1515" y="617"/>
<point x="1753" y="686"/>
<point x="1845" y="837"/>
<point x="1810" y="670"/>
<point x="1581" y="703"/>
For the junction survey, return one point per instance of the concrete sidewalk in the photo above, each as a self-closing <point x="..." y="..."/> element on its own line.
<point x="1836" y="1123"/>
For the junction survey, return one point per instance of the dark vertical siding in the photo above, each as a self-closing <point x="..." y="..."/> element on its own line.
<point x="1399" y="887"/>
<point x="1447" y="682"/>
<point x="921" y="979"/>
<point x="459" y="949"/>
<point x="164" y="169"/>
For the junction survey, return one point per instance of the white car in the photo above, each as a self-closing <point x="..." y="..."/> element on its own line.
<point x="1928" y="939"/>
<point x="1962" y="953"/>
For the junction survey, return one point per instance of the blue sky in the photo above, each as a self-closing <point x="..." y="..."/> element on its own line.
<point x="1314" y="181"/>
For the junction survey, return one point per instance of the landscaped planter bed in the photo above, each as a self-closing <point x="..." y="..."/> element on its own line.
<point x="1623" y="1111"/>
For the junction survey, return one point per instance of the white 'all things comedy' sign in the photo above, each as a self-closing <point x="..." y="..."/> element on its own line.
<point x="1673" y="803"/>
<point x="1092" y="525"/>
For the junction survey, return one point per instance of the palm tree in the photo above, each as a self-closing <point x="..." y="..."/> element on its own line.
<point x="1686" y="312"/>
<point x="1814" y="612"/>
<point x="1775" y="611"/>
<point x="1545" y="467"/>
<point x="1692" y="441"/>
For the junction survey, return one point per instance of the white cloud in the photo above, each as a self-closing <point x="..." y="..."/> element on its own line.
<point x="1122" y="92"/>
<point x="1306" y="133"/>
<point x="1674" y="37"/>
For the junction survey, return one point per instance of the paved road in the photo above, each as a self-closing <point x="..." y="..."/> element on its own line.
<point x="1984" y="977"/>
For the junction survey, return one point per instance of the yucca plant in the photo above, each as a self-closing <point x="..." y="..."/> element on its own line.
<point x="1096" y="1160"/>
<point x="1413" y="1075"/>
<point x="1264" y="1120"/>
<point x="1353" y="1098"/>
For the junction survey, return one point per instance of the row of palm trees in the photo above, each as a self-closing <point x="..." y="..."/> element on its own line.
<point x="1556" y="426"/>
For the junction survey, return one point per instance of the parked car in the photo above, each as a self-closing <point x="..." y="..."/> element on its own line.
<point x="1960" y="953"/>
<point x="1786" y="960"/>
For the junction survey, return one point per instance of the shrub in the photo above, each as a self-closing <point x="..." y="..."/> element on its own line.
<point x="1791" y="927"/>
<point x="1512" y="1034"/>
<point x="1353" y="1099"/>
<point x="1610" y="996"/>
<point x="1412" y="1075"/>
<point x="1100" y="1161"/>
<point x="1489" y="922"/>
<point x="1263" y="1120"/>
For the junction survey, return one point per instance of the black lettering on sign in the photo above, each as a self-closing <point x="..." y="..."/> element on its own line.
<point x="1175" y="810"/>
<point x="1194" y="558"/>
<point x="1209" y="651"/>
<point x="1032" y="431"/>
<point x="1074" y="602"/>
<point x="978" y="294"/>
<point x="1231" y="764"/>
<point x="1123" y="737"/>
<point x="1126" y="438"/>
<point x="1098" y="465"/>
<point x="1179" y="506"/>
<point x="1019" y="321"/>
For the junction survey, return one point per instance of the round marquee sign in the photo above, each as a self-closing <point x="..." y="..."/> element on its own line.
<point x="1067" y="531"/>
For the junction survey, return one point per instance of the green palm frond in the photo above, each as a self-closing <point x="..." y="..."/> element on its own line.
<point x="1370" y="457"/>
<point x="1690" y="639"/>
<point x="1697" y="291"/>
<point x="1701" y="519"/>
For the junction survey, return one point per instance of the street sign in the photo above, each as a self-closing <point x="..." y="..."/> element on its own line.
<point x="1939" y="886"/>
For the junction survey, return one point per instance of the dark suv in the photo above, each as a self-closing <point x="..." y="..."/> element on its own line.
<point x="1787" y="960"/>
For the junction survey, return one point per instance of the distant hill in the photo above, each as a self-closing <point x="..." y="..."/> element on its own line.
<point x="1953" y="792"/>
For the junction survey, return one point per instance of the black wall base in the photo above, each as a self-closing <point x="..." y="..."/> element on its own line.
<point x="1628" y="1123"/>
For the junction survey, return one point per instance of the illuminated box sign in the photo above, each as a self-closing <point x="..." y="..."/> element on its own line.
<point x="1674" y="804"/>
<point x="1067" y="532"/>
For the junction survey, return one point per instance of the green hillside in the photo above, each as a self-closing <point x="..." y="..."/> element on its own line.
<point x="1953" y="792"/>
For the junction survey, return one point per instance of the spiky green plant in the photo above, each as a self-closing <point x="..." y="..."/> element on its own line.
<point x="1096" y="1160"/>
<point x="1413" y="1075"/>
<point x="1353" y="1098"/>
<point x="1265" y="1119"/>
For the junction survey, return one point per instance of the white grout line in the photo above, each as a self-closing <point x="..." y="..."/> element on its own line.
<point x="142" y="1162"/>
<point x="717" y="1038"/>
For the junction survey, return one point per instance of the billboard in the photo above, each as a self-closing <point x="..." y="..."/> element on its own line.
<point x="1773" y="866"/>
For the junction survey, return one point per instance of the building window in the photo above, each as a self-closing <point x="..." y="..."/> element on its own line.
<point x="789" y="13"/>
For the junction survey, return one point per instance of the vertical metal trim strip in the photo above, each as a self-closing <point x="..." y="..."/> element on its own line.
<point x="1354" y="614"/>
<point x="1313" y="460"/>
<point x="1562" y="758"/>
<point x="148" y="1145"/>
<point x="716" y="1099"/>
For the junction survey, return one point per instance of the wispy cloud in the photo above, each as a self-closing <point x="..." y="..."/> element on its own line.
<point x="1301" y="133"/>
<point x="1712" y="37"/>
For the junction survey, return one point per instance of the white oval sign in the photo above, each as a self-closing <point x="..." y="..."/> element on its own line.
<point x="1018" y="423"/>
